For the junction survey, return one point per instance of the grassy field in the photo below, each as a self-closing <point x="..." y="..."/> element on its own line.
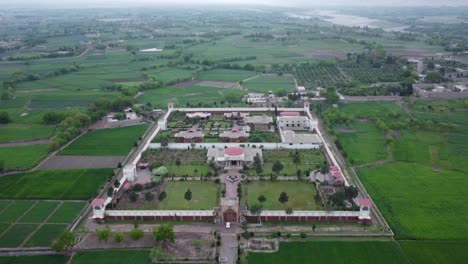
<point x="15" y="210"/>
<point x="204" y="195"/>
<point x="66" y="212"/>
<point x="189" y="170"/>
<point x="23" y="157"/>
<point x="17" y="132"/>
<point x="433" y="252"/>
<point x="225" y="75"/>
<point x="106" y="142"/>
<point x="39" y="212"/>
<point x="339" y="252"/>
<point x="170" y="74"/>
<point x="301" y="194"/>
<point x="46" y="235"/>
<point x="264" y="84"/>
<point x="112" y="257"/>
<point x="418" y="202"/>
<point x="15" y="236"/>
<point x="54" y="184"/>
<point x="283" y="155"/>
<point x="49" y="259"/>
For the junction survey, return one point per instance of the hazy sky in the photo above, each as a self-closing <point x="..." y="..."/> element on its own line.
<point x="115" y="3"/>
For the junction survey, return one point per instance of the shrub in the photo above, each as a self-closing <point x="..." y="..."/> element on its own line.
<point x="162" y="196"/>
<point x="149" y="196"/>
<point x="138" y="187"/>
<point x="133" y="197"/>
<point x="119" y="237"/>
<point x="303" y="235"/>
<point x="136" y="233"/>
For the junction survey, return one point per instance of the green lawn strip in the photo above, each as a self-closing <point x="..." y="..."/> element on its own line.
<point x="39" y="259"/>
<point x="189" y="170"/>
<point x="45" y="235"/>
<point x="66" y="212"/>
<point x="204" y="194"/>
<point x="225" y="75"/>
<point x="419" y="202"/>
<point x="23" y="157"/>
<point x="14" y="236"/>
<point x="301" y="194"/>
<point x="15" y="210"/>
<point x="433" y="252"/>
<point x="112" y="257"/>
<point x="18" y="132"/>
<point x="106" y="142"/>
<point x="283" y="155"/>
<point x="54" y="184"/>
<point x="339" y="252"/>
<point x="39" y="212"/>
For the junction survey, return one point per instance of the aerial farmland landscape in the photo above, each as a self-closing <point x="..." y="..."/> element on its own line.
<point x="234" y="131"/>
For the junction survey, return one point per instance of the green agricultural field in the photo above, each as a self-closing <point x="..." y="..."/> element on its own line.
<point x="106" y="142"/>
<point x="39" y="212"/>
<point x="370" y="109"/>
<point x="204" y="196"/>
<point x="339" y="252"/>
<point x="168" y="75"/>
<point x="23" y="157"/>
<point x="434" y="252"/>
<point x="66" y="212"/>
<point x="49" y="259"/>
<point x="112" y="257"/>
<point x="194" y="95"/>
<point x="18" y="132"/>
<point x="419" y="202"/>
<point x="363" y="142"/>
<point x="15" y="236"/>
<point x="225" y="75"/>
<point x="54" y="184"/>
<point x="301" y="194"/>
<point x="264" y="84"/>
<point x="15" y="210"/>
<point x="45" y="235"/>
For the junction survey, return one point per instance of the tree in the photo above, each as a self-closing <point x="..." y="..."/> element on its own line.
<point x="103" y="234"/>
<point x="177" y="162"/>
<point x="257" y="164"/>
<point x="289" y="211"/>
<point x="331" y="97"/>
<point x="119" y="236"/>
<point x="296" y="158"/>
<point x="133" y="196"/>
<point x="283" y="198"/>
<point x="136" y="233"/>
<point x="256" y="209"/>
<point x="277" y="166"/>
<point x="164" y="141"/>
<point x="4" y="117"/>
<point x="188" y="195"/>
<point x="351" y="192"/>
<point x="164" y="233"/>
<point x="110" y="192"/>
<point x="162" y="196"/>
<point x="157" y="254"/>
<point x="65" y="241"/>
<point x="262" y="198"/>
<point x="149" y="196"/>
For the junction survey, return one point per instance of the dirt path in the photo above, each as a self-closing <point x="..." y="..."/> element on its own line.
<point x="25" y="143"/>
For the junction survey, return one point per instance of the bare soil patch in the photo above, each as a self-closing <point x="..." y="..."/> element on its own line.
<point x="58" y="162"/>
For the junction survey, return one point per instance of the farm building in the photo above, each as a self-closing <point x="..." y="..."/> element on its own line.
<point x="189" y="136"/>
<point x="262" y="123"/>
<point x="294" y="122"/>
<point x="291" y="137"/>
<point x="233" y="157"/>
<point x="234" y="135"/>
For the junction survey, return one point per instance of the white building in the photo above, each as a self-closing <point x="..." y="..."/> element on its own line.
<point x="233" y="157"/>
<point x="294" y="122"/>
<point x="256" y="98"/>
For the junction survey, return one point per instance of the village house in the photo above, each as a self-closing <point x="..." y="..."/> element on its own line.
<point x="189" y="136"/>
<point x="293" y="122"/>
<point x="234" y="135"/>
<point x="130" y="114"/>
<point x="233" y="157"/>
<point x="261" y="123"/>
<point x="334" y="177"/>
<point x="256" y="98"/>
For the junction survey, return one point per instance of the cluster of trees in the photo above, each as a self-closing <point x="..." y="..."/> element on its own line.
<point x="69" y="128"/>
<point x="21" y="76"/>
<point x="4" y="117"/>
<point x="348" y="193"/>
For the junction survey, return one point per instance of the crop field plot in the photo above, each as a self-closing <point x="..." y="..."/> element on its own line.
<point x="370" y="109"/>
<point x="106" y="142"/>
<point x="433" y="252"/>
<point x="23" y="157"/>
<point x="311" y="75"/>
<point x="418" y="201"/>
<point x="66" y="212"/>
<point x="16" y="234"/>
<point x="225" y="75"/>
<point x="17" y="132"/>
<point x="49" y="259"/>
<point x="14" y="210"/>
<point x="264" y="84"/>
<point x="39" y="212"/>
<point x="349" y="252"/>
<point x="301" y="195"/>
<point x="387" y="73"/>
<point x="45" y="235"/>
<point x="54" y="184"/>
<point x="170" y="75"/>
<point x="112" y="257"/>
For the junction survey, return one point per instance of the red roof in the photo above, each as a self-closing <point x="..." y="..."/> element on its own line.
<point x="338" y="176"/>
<point x="234" y="151"/>
<point x="234" y="130"/>
<point x="364" y="202"/>
<point x="290" y="114"/>
<point x="191" y="130"/>
<point x="98" y="201"/>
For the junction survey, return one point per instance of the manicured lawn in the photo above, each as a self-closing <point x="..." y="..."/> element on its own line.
<point x="288" y="170"/>
<point x="66" y="212"/>
<point x="204" y="196"/>
<point x="16" y="235"/>
<point x="17" y="132"/>
<point x="264" y="84"/>
<point x="23" y="157"/>
<point x="225" y="75"/>
<point x="49" y="259"/>
<point x="306" y="156"/>
<point x="54" y="184"/>
<point x="339" y="252"/>
<point x="189" y="170"/>
<point x="45" y="235"/>
<point x="39" y="212"/>
<point x="418" y="202"/>
<point x="112" y="257"/>
<point x="15" y="210"/>
<point x="106" y="142"/>
<point x="434" y="252"/>
<point x="301" y="194"/>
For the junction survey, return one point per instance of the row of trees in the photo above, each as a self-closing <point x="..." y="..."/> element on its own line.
<point x="163" y="233"/>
